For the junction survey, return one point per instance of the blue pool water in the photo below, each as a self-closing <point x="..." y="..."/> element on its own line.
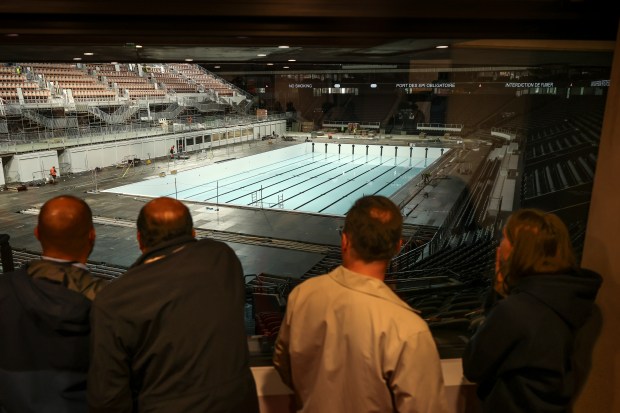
<point x="321" y="178"/>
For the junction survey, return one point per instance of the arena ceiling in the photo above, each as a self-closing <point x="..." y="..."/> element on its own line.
<point x="234" y="34"/>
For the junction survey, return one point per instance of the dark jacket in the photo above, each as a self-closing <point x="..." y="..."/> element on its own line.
<point x="521" y="356"/>
<point x="44" y="336"/>
<point x="168" y="336"/>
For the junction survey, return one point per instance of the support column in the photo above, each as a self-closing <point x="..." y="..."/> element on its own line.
<point x="600" y="254"/>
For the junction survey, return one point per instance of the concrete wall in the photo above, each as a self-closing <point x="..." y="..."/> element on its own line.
<point x="600" y="393"/>
<point x="275" y="397"/>
<point x="2" y="181"/>
<point x="27" y="167"/>
<point x="268" y="128"/>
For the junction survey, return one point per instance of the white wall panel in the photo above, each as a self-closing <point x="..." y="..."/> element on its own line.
<point x="36" y="165"/>
<point x="2" y="180"/>
<point x="33" y="166"/>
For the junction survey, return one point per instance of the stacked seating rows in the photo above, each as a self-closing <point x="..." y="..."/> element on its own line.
<point x="99" y="82"/>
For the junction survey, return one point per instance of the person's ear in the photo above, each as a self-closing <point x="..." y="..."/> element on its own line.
<point x="343" y="244"/>
<point x="140" y="243"/>
<point x="399" y="246"/>
<point x="36" y="233"/>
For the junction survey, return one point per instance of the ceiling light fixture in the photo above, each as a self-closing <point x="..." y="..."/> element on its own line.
<point x="88" y="53"/>
<point x="189" y="60"/>
<point x="373" y="85"/>
<point x="216" y="67"/>
<point x="113" y="63"/>
<point x="285" y="67"/>
<point x="261" y="55"/>
<point x="292" y="60"/>
<point x="77" y="58"/>
<point x="269" y="64"/>
<point x="138" y="46"/>
<point x="12" y="35"/>
<point x="443" y="46"/>
<point x="283" y="47"/>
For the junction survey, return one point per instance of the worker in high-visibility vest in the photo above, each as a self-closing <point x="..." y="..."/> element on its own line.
<point x="53" y="174"/>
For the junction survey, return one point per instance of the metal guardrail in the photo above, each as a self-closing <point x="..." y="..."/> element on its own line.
<point x="344" y="123"/>
<point x="62" y="138"/>
<point x="452" y="127"/>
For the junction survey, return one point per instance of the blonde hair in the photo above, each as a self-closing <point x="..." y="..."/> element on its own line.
<point x="540" y="245"/>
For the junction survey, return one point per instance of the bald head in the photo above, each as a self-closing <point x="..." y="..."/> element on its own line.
<point x="161" y="220"/>
<point x="65" y="229"/>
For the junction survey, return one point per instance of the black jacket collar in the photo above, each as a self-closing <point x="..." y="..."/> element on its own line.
<point x="164" y="249"/>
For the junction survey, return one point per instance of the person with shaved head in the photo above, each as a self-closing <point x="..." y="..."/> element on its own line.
<point x="44" y="315"/>
<point x="169" y="335"/>
<point x="348" y="343"/>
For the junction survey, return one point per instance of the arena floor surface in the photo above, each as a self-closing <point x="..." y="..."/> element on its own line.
<point x="270" y="240"/>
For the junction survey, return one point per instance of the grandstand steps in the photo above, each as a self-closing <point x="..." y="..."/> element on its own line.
<point x="405" y="287"/>
<point x="171" y="112"/>
<point x="50" y="123"/>
<point x="119" y="116"/>
<point x="210" y="107"/>
<point x="331" y="260"/>
<point x="466" y="259"/>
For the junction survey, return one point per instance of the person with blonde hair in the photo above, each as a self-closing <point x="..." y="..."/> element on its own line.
<point x="521" y="355"/>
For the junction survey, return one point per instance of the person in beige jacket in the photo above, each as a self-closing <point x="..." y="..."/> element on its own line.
<point x="347" y="342"/>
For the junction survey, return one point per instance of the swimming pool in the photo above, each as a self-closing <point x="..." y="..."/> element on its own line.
<point x="318" y="178"/>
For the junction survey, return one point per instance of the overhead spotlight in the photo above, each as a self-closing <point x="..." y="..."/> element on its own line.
<point x="189" y="60"/>
<point x="283" y="47"/>
<point x="88" y="53"/>
<point x="292" y="60"/>
<point x="216" y="67"/>
<point x="138" y="46"/>
<point x="77" y="58"/>
<point x="337" y="85"/>
<point x="269" y="64"/>
<point x="285" y="67"/>
<point x="373" y="85"/>
<point x="443" y="46"/>
<point x="261" y="55"/>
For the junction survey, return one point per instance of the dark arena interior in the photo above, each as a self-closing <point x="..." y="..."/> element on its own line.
<point x="519" y="98"/>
